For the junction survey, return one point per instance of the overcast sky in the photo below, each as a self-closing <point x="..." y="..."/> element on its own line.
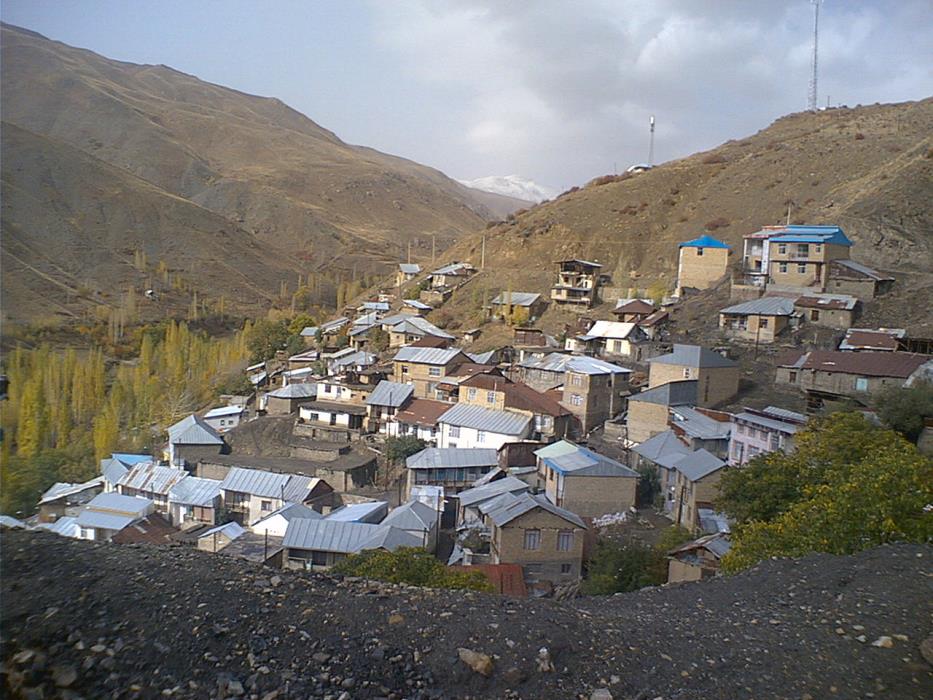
<point x="555" y="91"/>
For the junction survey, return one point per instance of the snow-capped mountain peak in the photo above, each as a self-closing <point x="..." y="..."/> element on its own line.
<point x="512" y="186"/>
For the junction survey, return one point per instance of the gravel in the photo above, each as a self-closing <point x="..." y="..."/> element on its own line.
<point x="89" y="620"/>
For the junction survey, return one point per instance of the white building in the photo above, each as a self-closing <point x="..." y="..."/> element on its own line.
<point x="224" y="418"/>
<point x="468" y="426"/>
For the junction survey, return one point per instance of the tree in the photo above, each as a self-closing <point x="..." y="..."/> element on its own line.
<point x="848" y="486"/>
<point x="906" y="409"/>
<point x="378" y="339"/>
<point x="410" y="565"/>
<point x="649" y="485"/>
<point x="402" y="447"/>
<point x="619" y="567"/>
<point x="264" y="338"/>
<point x="299" y="323"/>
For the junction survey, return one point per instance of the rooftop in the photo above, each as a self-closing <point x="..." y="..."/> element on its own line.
<point x="612" y="329"/>
<point x="427" y="356"/>
<point x="527" y="503"/>
<point x="827" y="301"/>
<point x="704" y="241"/>
<point x="444" y="457"/>
<point x="300" y="390"/>
<point x="393" y="394"/>
<point x="287" y="487"/>
<point x="698" y="464"/>
<point x="634" y="306"/>
<point x="515" y="298"/>
<point x="582" y="461"/>
<point x="328" y="535"/>
<point x="359" y="512"/>
<point x="872" y="339"/>
<point x="493" y="489"/>
<point x="152" y="478"/>
<point x="866" y="364"/>
<point x="580" y="364"/>
<point x="692" y="356"/>
<point x="64" y="489"/>
<point x="765" y="306"/>
<point x="423" y="412"/>
<point x="486" y="419"/>
<point x="195" y="491"/>
<point x="699" y="425"/>
<point x="193" y="431"/>
<point x="413" y="515"/>
<point x="681" y="393"/>
<point x="803" y="234"/>
<point x="409" y="268"/>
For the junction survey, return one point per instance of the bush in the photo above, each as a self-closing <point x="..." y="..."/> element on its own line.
<point x="400" y="448"/>
<point x="905" y="409"/>
<point x="713" y="158"/>
<point x="619" y="567"/>
<point x="412" y="566"/>
<point x="649" y="485"/>
<point x="716" y="223"/>
<point x="264" y="338"/>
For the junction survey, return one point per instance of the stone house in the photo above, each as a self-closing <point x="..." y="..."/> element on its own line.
<point x="698" y="559"/>
<point x="611" y="339"/>
<point x="649" y="410"/>
<point x="518" y="307"/>
<point x="551" y="420"/>
<point x="758" y="431"/>
<point x="862" y="282"/>
<point x="423" y="367"/>
<point x="546" y="540"/>
<point x="701" y="263"/>
<point x="696" y="485"/>
<point x="191" y="439"/>
<point x="150" y="481"/>
<point x="880" y="339"/>
<point x="577" y="283"/>
<point x="830" y="310"/>
<point x="585" y="482"/>
<point x="793" y="258"/>
<point x="453" y="468"/>
<point x="318" y="544"/>
<point x="758" y="320"/>
<point x="633" y="310"/>
<point x="384" y="403"/>
<point x="406" y="273"/>
<point x="662" y="452"/>
<point x="288" y="399"/>
<point x="452" y="275"/>
<point x="194" y="499"/>
<point x="108" y="513"/>
<point x="224" y="418"/>
<point x="64" y="499"/>
<point x="718" y="376"/>
<point x="252" y="494"/>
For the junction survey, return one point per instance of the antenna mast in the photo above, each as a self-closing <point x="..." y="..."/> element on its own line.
<point x="651" y="142"/>
<point x="811" y="103"/>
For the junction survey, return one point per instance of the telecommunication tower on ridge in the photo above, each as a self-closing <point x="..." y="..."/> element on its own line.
<point x="651" y="141"/>
<point x="811" y="103"/>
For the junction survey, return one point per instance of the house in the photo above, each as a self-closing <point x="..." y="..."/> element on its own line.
<point x="372" y="512"/>
<point x="517" y="307"/>
<point x="406" y="273"/>
<point x="423" y="367"/>
<point x="340" y="415"/>
<point x="414" y="307"/>
<point x="151" y="481"/>
<point x="352" y="362"/>
<point x="334" y="327"/>
<point x="190" y="439"/>
<point x="384" y="403"/>
<point x="252" y="494"/>
<point x="532" y="343"/>
<point x="108" y="513"/>
<point x="577" y="283"/>
<point x="757" y="321"/>
<point x="471" y="335"/>
<point x="309" y="335"/>
<point x="11" y="523"/>
<point x="304" y="360"/>
<point x="474" y="504"/>
<point x="649" y="410"/>
<point x="276" y="523"/>
<point x="452" y="275"/>
<point x="216" y="538"/>
<point x="153" y="529"/>
<point x="418" y="520"/>
<point x="413" y="328"/>
<point x="696" y="484"/>
<point x="546" y="540"/>
<point x="467" y="426"/>
<point x="448" y="388"/>
<point x="633" y="310"/>
<point x="288" y="399"/>
<point x="66" y="526"/>
<point x="849" y="277"/>
<point x="718" y="376"/>
<point x="593" y="390"/>
<point x="880" y="339"/>
<point x="792" y="258"/>
<point x="610" y="339"/>
<point x="112" y="470"/>
<point x="419" y="418"/>
<point x="453" y="468"/>
<point x="831" y="375"/>
<point x="316" y="544"/>
<point x="698" y="559"/>
<point x="656" y="324"/>
<point x="756" y="432"/>
<point x="662" y="452"/>
<point x="701" y="263"/>
<point x="194" y="500"/>
<point x="224" y="418"/>
<point x="702" y="428"/>
<point x="585" y="482"/>
<point x="830" y="310"/>
<point x="551" y="420"/>
<point x="64" y="499"/>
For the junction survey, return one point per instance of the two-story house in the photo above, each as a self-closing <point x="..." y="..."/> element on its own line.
<point x="150" y="481"/>
<point x="793" y="258"/>
<point x="757" y="321"/>
<point x="577" y="283"/>
<point x="758" y="431"/>
<point x="696" y="485"/>
<point x="717" y="376"/>
<point x="551" y="420"/>
<point x="252" y="494"/>
<point x="701" y="263"/>
<point x="424" y="367"/>
<point x="190" y="439"/>
<point x="453" y="468"/>
<point x="465" y="425"/>
<point x="612" y="339"/>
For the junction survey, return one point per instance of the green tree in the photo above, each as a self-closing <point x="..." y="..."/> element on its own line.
<point x="410" y="565"/>
<point x="264" y="338"/>
<point x="855" y="486"/>
<point x="649" y="485"/>
<point x="299" y="323"/>
<point x="906" y="409"/>
<point x="399" y="448"/>
<point x="378" y="339"/>
<point x="619" y="567"/>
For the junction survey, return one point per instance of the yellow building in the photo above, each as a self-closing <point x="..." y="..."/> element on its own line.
<point x="717" y="376"/>
<point x="793" y="257"/>
<point x="702" y="263"/>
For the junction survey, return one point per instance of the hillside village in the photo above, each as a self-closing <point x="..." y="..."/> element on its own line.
<point x="389" y="431"/>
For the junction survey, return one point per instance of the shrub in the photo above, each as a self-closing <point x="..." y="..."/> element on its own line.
<point x="619" y="567"/>
<point x="399" y="448"/>
<point x="905" y="409"/>
<point x="716" y="223"/>
<point x="859" y="136"/>
<point x="412" y="566"/>
<point x="713" y="158"/>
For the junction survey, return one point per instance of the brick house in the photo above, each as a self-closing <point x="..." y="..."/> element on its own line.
<point x="850" y="277"/>
<point x="577" y="283"/>
<point x="830" y="310"/>
<point x="423" y="367"/>
<point x="757" y="321"/>
<point x="718" y="376"/>
<point x="793" y="257"/>
<point x="649" y="410"/>
<point x="701" y="263"/>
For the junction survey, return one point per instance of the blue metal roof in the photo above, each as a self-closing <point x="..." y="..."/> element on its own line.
<point x="811" y="234"/>
<point x="704" y="241"/>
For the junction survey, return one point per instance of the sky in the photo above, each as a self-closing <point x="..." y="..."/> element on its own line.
<point x="557" y="91"/>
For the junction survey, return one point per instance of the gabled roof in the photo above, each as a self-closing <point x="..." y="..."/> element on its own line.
<point x="193" y="431"/>
<point x="416" y="325"/>
<point x="582" y="461"/>
<point x="584" y="263"/>
<point x="423" y="412"/>
<point x="681" y="393"/>
<point x="16" y="524"/>
<point x="633" y="306"/>
<point x="256" y="482"/>
<point x="361" y="358"/>
<point x="416" y="304"/>
<point x="527" y="503"/>
<point x="66" y="526"/>
<point x="493" y="489"/>
<point x="766" y="306"/>
<point x="375" y="305"/>
<point x="113" y="469"/>
<point x="717" y="544"/>
<point x="872" y="339"/>
<point x="859" y="270"/>
<point x="517" y="395"/>
<point x="457" y="268"/>
<point x="390" y="538"/>
<point x="328" y="535"/>
<point x="63" y="489"/>
<point x="309" y="331"/>
<point x="306" y="356"/>
<point x="664" y="448"/>
<point x="515" y="299"/>
<point x="482" y="358"/>
<point x="865" y="364"/>
<point x="697" y="424"/>
<point x="224" y="411"/>
<point x="562" y="362"/>
<point x="299" y="390"/>
<point x="393" y="394"/>
<point x="194" y="491"/>
<point x="811" y="234"/>
<point x="334" y="325"/>
<point x="704" y="241"/>
<point x="153" y="529"/>
<point x="118" y="503"/>
<point x="699" y="464"/>
<point x="413" y="515"/>
<point x="409" y="268"/>
<point x="291" y="511"/>
<point x="440" y="457"/>
<point x="231" y="530"/>
<point x="486" y="419"/>
<point x="771" y="422"/>
<point x="359" y="512"/>
<point x="612" y="329"/>
<point x="150" y="477"/>
<point x="692" y="356"/>
<point x="427" y="356"/>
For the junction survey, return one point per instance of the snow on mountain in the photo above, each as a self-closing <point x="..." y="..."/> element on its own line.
<point x="512" y="186"/>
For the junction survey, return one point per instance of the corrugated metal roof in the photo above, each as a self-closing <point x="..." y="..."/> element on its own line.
<point x="827" y="301"/>
<point x="766" y="306"/>
<point x="415" y="325"/>
<point x="503" y="499"/>
<point x="288" y="487"/>
<point x="713" y="522"/>
<point x="417" y="304"/>
<point x="872" y="339"/>
<point x="867" y="364"/>
<point x="453" y="269"/>
<point x="361" y="358"/>
<point x="393" y="394"/>
<point x="231" y="530"/>
<point x="438" y="457"/>
<point x="588" y="263"/>
<point x="562" y="362"/>
<point x="327" y="535"/>
<point x="131" y="459"/>
<point x="309" y="331"/>
<point x="412" y="515"/>
<point x="482" y="358"/>
<point x="301" y="390"/>
<point x="371" y="513"/>
<point x="556" y="449"/>
<point x="11" y="522"/>
<point x="486" y="419"/>
<point x="635" y="305"/>
<point x="375" y="305"/>
<point x="611" y="329"/>
<point x="515" y="299"/>
<point x="862" y="269"/>
<point x="334" y="325"/>
<point x="810" y="234"/>
<point x="390" y="538"/>
<point x="409" y="268"/>
<point x="785" y="413"/>
<point x="62" y="489"/>
<point x="193" y="431"/>
<point x="149" y="477"/>
<point x="584" y="462"/>
<point x="194" y="491"/>
<point x="113" y="470"/>
<point x="704" y="241"/>
<point x="698" y="464"/>
<point x="526" y="503"/>
<point x="493" y="489"/>
<point x="770" y="423"/>
<point x="426" y="356"/>
<point x="664" y="446"/>
<point x="681" y="393"/>
<point x="104" y="521"/>
<point x="117" y="502"/>
<point x="699" y="425"/>
<point x="66" y="527"/>
<point x="224" y="411"/>
<point x="692" y="356"/>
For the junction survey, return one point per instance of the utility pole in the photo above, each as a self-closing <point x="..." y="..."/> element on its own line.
<point x="811" y="103"/>
<point x="433" y="246"/>
<point x="482" y="256"/>
<point x="409" y="252"/>
<point x="651" y="141"/>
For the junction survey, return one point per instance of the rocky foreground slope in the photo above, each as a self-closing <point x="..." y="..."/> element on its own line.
<point x="97" y="621"/>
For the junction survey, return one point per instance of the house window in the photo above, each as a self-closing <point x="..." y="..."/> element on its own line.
<point x="471" y="394"/>
<point x="817" y="248"/>
<point x="686" y="373"/>
<point x="803" y="250"/>
<point x="737" y="450"/>
<point x="792" y="377"/>
<point x="861" y="384"/>
<point x="454" y="432"/>
<point x="782" y="268"/>
<point x="576" y="400"/>
<point x="699" y="252"/>
<point x="802" y="268"/>
<point x="576" y="379"/>
<point x="480" y="436"/>
<point x="775" y="441"/>
<point x="565" y="540"/>
<point x="782" y="250"/>
<point x="434" y="371"/>
<point x="490" y="397"/>
<point x="565" y="568"/>
<point x="762" y="323"/>
<point x="532" y="539"/>
<point x="266" y="506"/>
<point x="404" y="369"/>
<point x="814" y="315"/>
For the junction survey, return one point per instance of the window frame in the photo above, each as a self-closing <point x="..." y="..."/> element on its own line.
<point x="565" y="540"/>
<point x="531" y="541"/>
